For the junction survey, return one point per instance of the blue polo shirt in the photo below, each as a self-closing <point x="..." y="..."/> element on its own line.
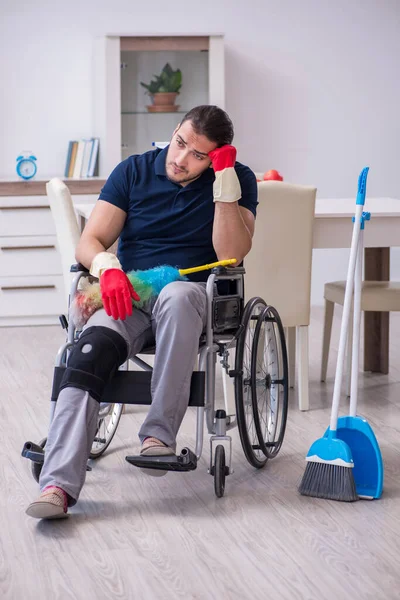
<point x="166" y="223"/>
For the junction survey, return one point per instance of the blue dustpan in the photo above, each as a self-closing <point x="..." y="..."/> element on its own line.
<point x="355" y="431"/>
<point x="358" y="434"/>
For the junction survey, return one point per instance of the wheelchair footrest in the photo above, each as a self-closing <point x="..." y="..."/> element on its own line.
<point x="33" y="451"/>
<point x="186" y="461"/>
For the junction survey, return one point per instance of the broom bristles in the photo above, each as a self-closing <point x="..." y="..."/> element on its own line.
<point x="329" y="481"/>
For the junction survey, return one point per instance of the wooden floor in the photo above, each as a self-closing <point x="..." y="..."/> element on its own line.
<point x="135" y="536"/>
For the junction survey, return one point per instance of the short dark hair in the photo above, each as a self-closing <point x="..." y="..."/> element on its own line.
<point x="212" y="122"/>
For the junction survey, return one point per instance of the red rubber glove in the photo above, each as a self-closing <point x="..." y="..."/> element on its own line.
<point x="117" y="293"/>
<point x="222" y="158"/>
<point x="226" y="187"/>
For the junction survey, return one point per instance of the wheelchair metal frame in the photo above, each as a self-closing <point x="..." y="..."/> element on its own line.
<point x="238" y="319"/>
<point x="216" y="427"/>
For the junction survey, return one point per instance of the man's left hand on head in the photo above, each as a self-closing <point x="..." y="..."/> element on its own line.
<point x="223" y="157"/>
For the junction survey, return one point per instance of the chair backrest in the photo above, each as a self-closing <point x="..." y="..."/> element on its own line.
<point x="278" y="267"/>
<point x="66" y="223"/>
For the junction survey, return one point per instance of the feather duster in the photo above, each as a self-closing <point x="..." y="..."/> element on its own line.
<point x="148" y="284"/>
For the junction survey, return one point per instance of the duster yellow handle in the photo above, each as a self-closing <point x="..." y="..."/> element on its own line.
<point x="220" y="263"/>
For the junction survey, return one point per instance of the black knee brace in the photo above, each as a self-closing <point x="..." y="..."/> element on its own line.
<point x="94" y="359"/>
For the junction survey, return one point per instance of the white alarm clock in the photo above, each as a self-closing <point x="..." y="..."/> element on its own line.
<point x="26" y="166"/>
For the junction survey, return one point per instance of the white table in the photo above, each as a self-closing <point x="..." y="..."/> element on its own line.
<point x="333" y="229"/>
<point x="333" y="224"/>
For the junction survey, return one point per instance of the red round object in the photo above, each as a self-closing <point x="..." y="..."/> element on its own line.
<point x="272" y="175"/>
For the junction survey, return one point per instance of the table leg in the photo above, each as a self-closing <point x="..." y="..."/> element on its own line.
<point x="376" y="324"/>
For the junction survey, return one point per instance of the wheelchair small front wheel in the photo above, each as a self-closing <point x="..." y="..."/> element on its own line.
<point x="219" y="471"/>
<point x="36" y="468"/>
<point x="108" y="419"/>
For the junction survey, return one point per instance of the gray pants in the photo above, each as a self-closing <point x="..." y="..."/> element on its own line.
<point x="174" y="322"/>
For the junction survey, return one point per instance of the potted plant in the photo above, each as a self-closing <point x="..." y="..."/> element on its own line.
<point x="164" y="89"/>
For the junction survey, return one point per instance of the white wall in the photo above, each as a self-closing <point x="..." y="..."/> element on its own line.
<point x="312" y="86"/>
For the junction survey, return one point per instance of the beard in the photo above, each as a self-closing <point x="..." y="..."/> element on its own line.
<point x="183" y="176"/>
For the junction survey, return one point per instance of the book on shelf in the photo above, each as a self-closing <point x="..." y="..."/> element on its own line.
<point x="93" y="168"/>
<point x="82" y="158"/>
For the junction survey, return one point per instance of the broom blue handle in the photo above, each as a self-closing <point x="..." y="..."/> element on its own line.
<point x="345" y="317"/>
<point x="362" y="186"/>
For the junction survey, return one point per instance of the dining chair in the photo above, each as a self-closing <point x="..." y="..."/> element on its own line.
<point x="278" y="267"/>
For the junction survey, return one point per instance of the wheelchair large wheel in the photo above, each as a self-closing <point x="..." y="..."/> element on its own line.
<point x="243" y="388"/>
<point x="269" y="381"/>
<point x="108" y="419"/>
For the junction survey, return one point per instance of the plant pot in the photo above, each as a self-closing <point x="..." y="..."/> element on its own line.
<point x="164" y="98"/>
<point x="163" y="102"/>
<point x="152" y="108"/>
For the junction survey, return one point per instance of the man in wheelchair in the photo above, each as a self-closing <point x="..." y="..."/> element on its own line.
<point x="188" y="204"/>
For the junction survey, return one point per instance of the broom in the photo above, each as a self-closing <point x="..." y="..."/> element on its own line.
<point x="329" y="470"/>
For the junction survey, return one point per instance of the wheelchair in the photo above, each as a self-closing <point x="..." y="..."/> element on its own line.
<point x="249" y="343"/>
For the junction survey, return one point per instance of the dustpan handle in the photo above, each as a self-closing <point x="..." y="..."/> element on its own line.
<point x="345" y="317"/>
<point x="355" y="359"/>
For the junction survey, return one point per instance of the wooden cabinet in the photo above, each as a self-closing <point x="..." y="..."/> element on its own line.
<point x="31" y="280"/>
<point x="121" y="119"/>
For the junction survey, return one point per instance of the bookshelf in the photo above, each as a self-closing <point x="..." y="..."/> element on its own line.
<point x="121" y="62"/>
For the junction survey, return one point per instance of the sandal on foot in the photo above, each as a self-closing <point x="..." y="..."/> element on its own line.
<point x="51" y="504"/>
<point x="153" y="447"/>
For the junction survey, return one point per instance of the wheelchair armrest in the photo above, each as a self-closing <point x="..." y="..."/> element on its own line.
<point x="227" y="298"/>
<point x="226" y="271"/>
<point x="78" y="267"/>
